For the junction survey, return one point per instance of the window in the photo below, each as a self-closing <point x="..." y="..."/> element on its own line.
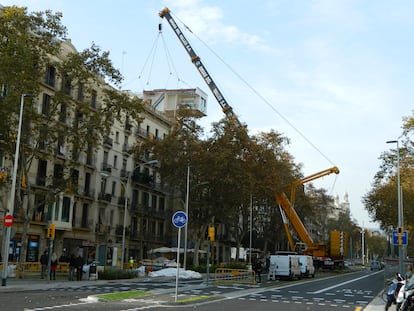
<point x="105" y="157"/>
<point x="152" y="227"/>
<point x="145" y="199"/>
<point x="63" y="109"/>
<point x="161" y="229"/>
<point x="46" y="104"/>
<point x="161" y="204"/>
<point x="113" y="188"/>
<point x="115" y="160"/>
<point x="80" y="92"/>
<point x="94" y="97"/>
<point x="87" y="183"/>
<point x="61" y="145"/>
<point x="3" y="90"/>
<point x="42" y="138"/>
<point x="117" y="137"/>
<point x="50" y="76"/>
<point x="156" y="133"/>
<point x="66" y="84"/>
<point x="111" y="221"/>
<point x="65" y="209"/>
<point x="84" y="223"/>
<point x="154" y="201"/>
<point x="39" y="214"/>
<point x="57" y="174"/>
<point x="74" y="176"/>
<point x="41" y="173"/>
<point x="148" y="130"/>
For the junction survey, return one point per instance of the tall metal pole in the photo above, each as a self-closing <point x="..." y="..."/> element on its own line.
<point x="13" y="191"/>
<point x="187" y="195"/>
<point x="251" y="229"/>
<point x="363" y="245"/>
<point x="124" y="225"/>
<point x="400" y="212"/>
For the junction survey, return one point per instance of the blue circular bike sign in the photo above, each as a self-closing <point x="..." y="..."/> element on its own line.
<point x="179" y="219"/>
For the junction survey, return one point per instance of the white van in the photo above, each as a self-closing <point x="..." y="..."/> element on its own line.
<point x="284" y="266"/>
<point x="306" y="266"/>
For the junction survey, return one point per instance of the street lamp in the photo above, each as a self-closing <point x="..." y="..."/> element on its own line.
<point x="13" y="190"/>
<point x="186" y="212"/>
<point x="400" y="212"/>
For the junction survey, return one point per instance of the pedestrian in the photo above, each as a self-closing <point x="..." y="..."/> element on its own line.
<point x="72" y="267"/>
<point x="79" y="268"/>
<point x="44" y="259"/>
<point x="53" y="266"/>
<point x="131" y="263"/>
<point x="257" y="268"/>
<point x="409" y="272"/>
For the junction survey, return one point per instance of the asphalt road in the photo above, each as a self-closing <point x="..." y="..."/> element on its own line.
<point x="346" y="291"/>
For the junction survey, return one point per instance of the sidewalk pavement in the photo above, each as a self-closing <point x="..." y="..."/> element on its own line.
<point x="377" y="304"/>
<point x="13" y="285"/>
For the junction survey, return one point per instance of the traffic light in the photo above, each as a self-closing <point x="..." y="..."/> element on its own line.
<point x="400" y="233"/>
<point x="211" y="233"/>
<point x="51" y="231"/>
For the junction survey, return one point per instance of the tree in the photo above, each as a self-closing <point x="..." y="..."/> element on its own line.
<point x="34" y="58"/>
<point x="381" y="201"/>
<point x="227" y="169"/>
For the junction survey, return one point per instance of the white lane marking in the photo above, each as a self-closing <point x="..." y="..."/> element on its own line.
<point x="341" y="284"/>
<point x="57" y="307"/>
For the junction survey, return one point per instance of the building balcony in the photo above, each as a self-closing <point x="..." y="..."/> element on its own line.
<point x="106" y="167"/>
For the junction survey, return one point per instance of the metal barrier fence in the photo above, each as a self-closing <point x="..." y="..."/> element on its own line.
<point x="245" y="276"/>
<point x="21" y="268"/>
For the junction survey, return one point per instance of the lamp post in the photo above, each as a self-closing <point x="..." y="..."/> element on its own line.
<point x="13" y="191"/>
<point x="124" y="224"/>
<point x="187" y="195"/>
<point x="400" y="212"/>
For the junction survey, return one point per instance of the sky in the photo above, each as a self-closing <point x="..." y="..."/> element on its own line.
<point x="333" y="76"/>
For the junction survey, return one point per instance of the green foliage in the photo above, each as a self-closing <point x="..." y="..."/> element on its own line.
<point x="381" y="200"/>
<point x="31" y="45"/>
<point x="110" y="273"/>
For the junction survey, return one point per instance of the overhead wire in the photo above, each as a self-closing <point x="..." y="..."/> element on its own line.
<point x="257" y="93"/>
<point x="172" y="71"/>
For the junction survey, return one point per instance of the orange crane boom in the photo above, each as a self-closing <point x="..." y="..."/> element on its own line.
<point x="288" y="211"/>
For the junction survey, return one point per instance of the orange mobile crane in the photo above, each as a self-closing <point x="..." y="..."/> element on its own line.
<point x="286" y="207"/>
<point x="320" y="251"/>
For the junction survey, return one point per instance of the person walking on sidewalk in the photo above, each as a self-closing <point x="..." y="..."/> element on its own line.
<point x="53" y="266"/>
<point x="43" y="262"/>
<point x="79" y="268"/>
<point x="257" y="268"/>
<point x="72" y="267"/>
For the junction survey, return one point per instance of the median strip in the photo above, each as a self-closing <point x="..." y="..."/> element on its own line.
<point x="123" y="295"/>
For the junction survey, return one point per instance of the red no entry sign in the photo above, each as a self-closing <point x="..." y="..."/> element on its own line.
<point x="8" y="220"/>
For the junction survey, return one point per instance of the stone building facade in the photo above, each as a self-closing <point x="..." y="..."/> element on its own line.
<point x="116" y="200"/>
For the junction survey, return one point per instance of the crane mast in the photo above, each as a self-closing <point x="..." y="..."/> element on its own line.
<point x="195" y="59"/>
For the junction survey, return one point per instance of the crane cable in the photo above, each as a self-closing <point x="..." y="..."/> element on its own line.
<point x="258" y="94"/>
<point x="152" y="54"/>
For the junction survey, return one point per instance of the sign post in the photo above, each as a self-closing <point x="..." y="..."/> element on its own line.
<point x="179" y="220"/>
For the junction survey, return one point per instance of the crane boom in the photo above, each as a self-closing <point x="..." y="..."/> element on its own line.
<point x="287" y="210"/>
<point x="195" y="59"/>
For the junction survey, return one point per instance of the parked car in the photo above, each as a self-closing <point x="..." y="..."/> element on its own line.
<point x="376" y="265"/>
